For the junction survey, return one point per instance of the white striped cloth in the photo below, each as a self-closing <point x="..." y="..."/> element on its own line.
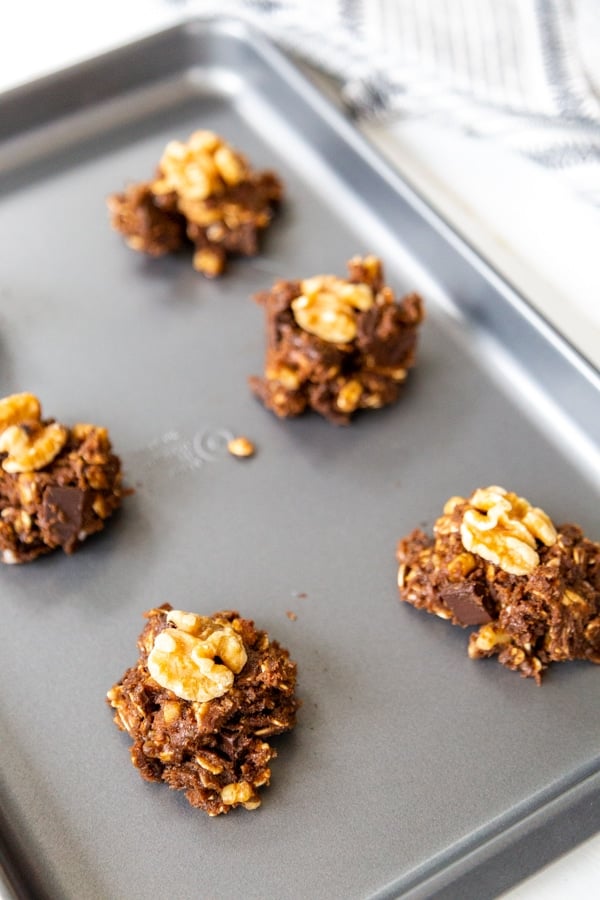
<point x="520" y="72"/>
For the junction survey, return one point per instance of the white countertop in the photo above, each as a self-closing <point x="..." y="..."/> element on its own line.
<point x="523" y="219"/>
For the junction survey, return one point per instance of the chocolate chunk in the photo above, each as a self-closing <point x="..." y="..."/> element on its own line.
<point x="64" y="514"/>
<point x="385" y="334"/>
<point x="467" y="603"/>
<point x="147" y="224"/>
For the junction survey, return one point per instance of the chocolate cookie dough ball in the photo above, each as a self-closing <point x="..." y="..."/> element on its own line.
<point x="58" y="484"/>
<point x="336" y="345"/>
<point x="499" y="563"/>
<point x="205" y="696"/>
<point x="206" y="195"/>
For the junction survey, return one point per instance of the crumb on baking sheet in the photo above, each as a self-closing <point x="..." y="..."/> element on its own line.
<point x="241" y="447"/>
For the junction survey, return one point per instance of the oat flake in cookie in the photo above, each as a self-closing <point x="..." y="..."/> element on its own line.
<point x="500" y="564"/>
<point x="337" y="345"/>
<point x="58" y="484"/>
<point x="201" y="703"/>
<point x="205" y="194"/>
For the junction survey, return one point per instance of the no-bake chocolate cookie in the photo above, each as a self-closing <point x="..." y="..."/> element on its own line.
<point x="201" y="703"/>
<point x="58" y="484"/>
<point x="336" y="345"/>
<point x="500" y="564"/>
<point x="205" y="194"/>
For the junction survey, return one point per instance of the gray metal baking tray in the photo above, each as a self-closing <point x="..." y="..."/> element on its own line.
<point x="413" y="771"/>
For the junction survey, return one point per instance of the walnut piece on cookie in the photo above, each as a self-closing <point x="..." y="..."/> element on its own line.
<point x="200" y="704"/>
<point x="336" y="345"/>
<point x="58" y="484"/>
<point x="205" y="195"/>
<point x="499" y="563"/>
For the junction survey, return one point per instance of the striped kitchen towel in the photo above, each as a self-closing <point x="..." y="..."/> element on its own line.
<point x="522" y="72"/>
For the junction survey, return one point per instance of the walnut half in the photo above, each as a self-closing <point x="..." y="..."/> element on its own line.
<point x="29" y="443"/>
<point x="327" y="307"/>
<point x="503" y="529"/>
<point x="18" y="408"/>
<point x="31" y="447"/>
<point x="200" y="168"/>
<point x="182" y="658"/>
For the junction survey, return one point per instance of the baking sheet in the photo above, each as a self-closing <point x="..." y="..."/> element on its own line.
<point x="413" y="770"/>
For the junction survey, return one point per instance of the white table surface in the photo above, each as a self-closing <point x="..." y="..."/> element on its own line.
<point x="524" y="220"/>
